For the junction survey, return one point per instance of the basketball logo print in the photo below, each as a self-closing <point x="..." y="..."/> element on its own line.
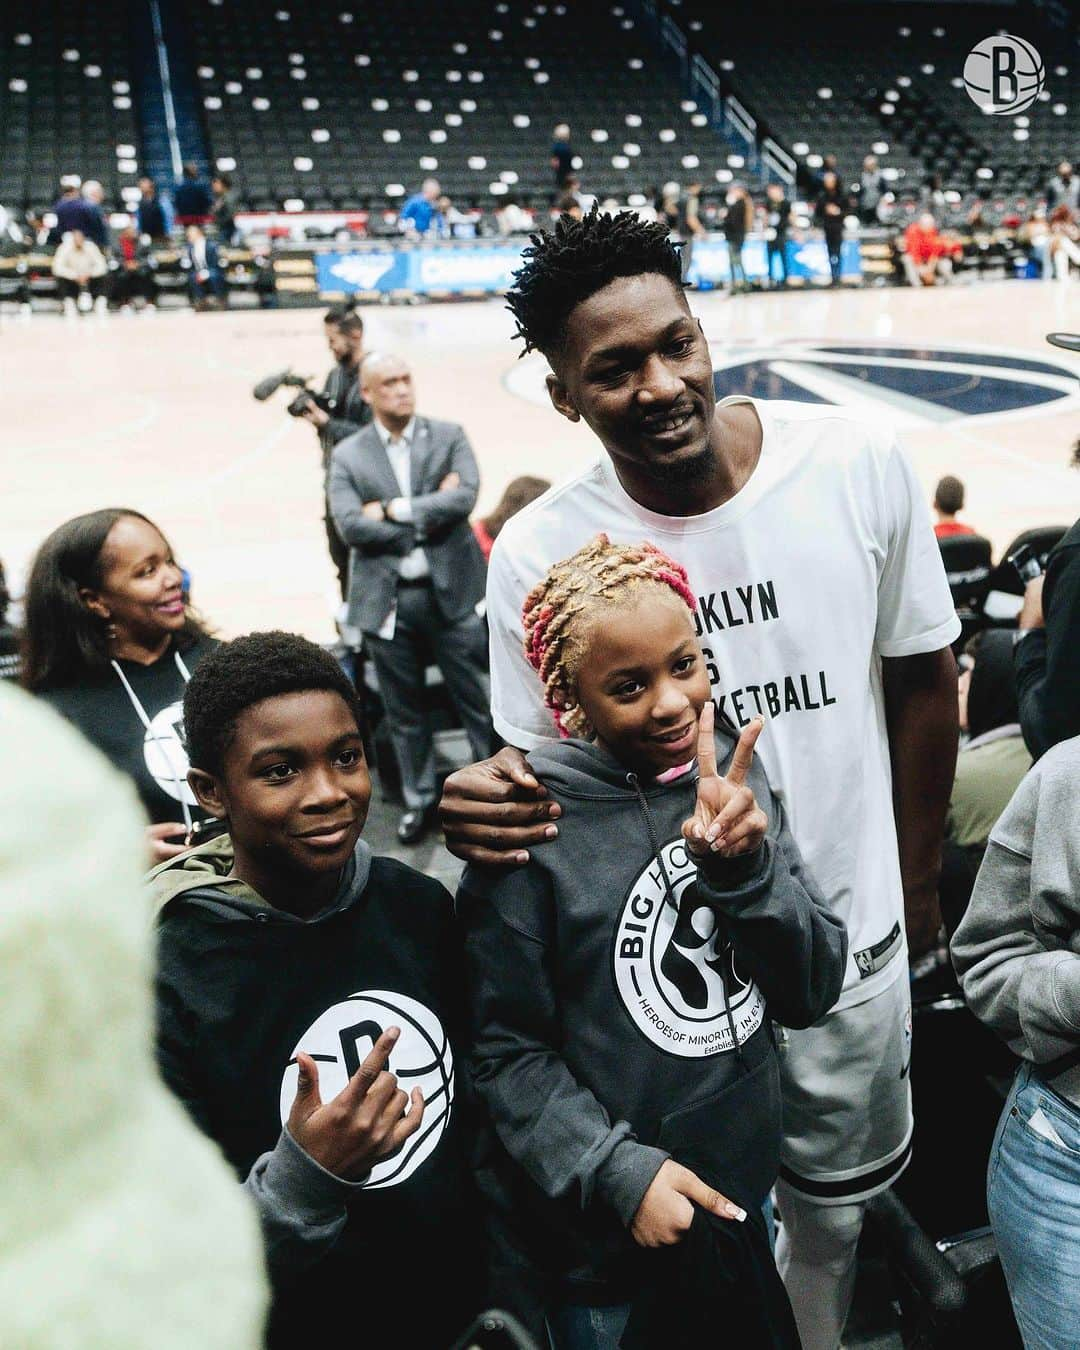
<point x="1004" y="75"/>
<point x="165" y="755"/>
<point x="675" y="973"/>
<point x="341" y="1039"/>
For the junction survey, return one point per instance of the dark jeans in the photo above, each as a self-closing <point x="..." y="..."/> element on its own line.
<point x="70" y="290"/>
<point x="133" y="285"/>
<point x="421" y="636"/>
<point x="738" y="273"/>
<point x="574" y="1327"/>
<point x="777" y="248"/>
<point x="213" y="286"/>
<point x="833" y="244"/>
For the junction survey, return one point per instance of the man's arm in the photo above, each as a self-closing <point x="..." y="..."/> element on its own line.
<point x="431" y="512"/>
<point x="1048" y="658"/>
<point x="359" y="530"/>
<point x="922" y="718"/>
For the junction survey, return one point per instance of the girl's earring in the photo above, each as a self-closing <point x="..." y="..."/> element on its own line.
<point x="110" y="630"/>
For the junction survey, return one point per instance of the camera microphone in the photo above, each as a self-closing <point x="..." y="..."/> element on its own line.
<point x="271" y="384"/>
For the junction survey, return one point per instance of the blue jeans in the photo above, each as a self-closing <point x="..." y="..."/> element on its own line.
<point x="1033" y="1195"/>
<point x="573" y="1327"/>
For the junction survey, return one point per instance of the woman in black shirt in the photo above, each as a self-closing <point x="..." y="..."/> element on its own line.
<point x="110" y="642"/>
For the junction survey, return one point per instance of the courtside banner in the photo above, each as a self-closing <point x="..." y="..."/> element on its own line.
<point x="422" y="271"/>
<point x="710" y="263"/>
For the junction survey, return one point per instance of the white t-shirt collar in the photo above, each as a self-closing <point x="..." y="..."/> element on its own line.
<point x="727" y="511"/>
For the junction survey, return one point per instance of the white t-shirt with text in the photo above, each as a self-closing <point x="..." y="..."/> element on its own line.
<point x="823" y="563"/>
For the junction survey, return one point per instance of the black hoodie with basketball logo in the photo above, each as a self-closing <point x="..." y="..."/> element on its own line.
<point x="242" y="988"/>
<point x="621" y="1004"/>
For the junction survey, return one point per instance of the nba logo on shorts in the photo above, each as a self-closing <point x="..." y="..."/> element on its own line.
<point x="1004" y="75"/>
<point x="340" y="1040"/>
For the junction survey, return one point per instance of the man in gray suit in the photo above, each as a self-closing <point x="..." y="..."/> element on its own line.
<point x="401" y="490"/>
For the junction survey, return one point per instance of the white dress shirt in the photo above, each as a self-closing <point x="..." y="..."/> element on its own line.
<point x="399" y="452"/>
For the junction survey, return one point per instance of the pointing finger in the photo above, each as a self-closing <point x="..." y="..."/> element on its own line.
<point x="744" y="752"/>
<point x="373" y="1065"/>
<point x="706" y="744"/>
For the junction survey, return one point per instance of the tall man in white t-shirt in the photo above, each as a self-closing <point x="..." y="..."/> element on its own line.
<point x="823" y="604"/>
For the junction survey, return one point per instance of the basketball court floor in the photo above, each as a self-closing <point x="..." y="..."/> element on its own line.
<point x="156" y="412"/>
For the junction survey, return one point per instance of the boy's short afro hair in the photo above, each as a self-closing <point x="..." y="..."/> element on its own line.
<point x="243" y="672"/>
<point x="579" y="258"/>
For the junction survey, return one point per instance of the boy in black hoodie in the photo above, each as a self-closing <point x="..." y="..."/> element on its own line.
<point x="309" y="1005"/>
<point x="623" y="982"/>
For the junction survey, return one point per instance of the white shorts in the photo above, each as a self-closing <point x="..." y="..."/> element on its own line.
<point x="846" y="1088"/>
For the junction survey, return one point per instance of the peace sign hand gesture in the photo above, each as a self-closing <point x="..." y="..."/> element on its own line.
<point x="727" y="819"/>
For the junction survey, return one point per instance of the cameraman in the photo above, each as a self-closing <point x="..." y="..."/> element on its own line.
<point x="345" y="337"/>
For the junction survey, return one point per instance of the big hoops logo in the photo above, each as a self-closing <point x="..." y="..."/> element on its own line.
<point x="673" y="966"/>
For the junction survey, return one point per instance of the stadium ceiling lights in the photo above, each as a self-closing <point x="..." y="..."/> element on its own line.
<point x="508" y="176"/>
<point x="361" y="59"/>
<point x="619" y="162"/>
<point x="880" y="147"/>
<point x="498" y="189"/>
<point x="1059" y="109"/>
<point x="667" y="135"/>
<point x="477" y="162"/>
<point x="632" y="120"/>
<point x="631" y="149"/>
<point x="461" y="48"/>
<point x="234" y="87"/>
<point x="453" y="119"/>
<point x="391" y="136"/>
<point x="699" y="120"/>
<point x="320" y="135"/>
<point x="800" y="148"/>
<point x="17" y="86"/>
<point x="727" y="65"/>
<point x="437" y="137"/>
<point x="599" y="135"/>
<point x="310" y="104"/>
<point x="467" y="105"/>
<point x="429" y="163"/>
<point x="521" y="120"/>
<point x="302" y="164"/>
<point x="690" y="161"/>
<point x="395" y="189"/>
<point x="423" y="105"/>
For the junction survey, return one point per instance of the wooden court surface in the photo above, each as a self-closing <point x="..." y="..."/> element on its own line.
<point x="156" y="412"/>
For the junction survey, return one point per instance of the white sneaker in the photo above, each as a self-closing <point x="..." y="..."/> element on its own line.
<point x="85" y="302"/>
<point x="101" y="305"/>
<point x="70" y="310"/>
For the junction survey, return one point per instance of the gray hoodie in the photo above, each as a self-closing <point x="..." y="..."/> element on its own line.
<point x="621" y="1000"/>
<point x="1017" y="950"/>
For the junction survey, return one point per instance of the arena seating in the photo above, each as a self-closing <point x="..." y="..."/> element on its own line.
<point x="66" y="102"/>
<point x="352" y="109"/>
<point x="845" y="79"/>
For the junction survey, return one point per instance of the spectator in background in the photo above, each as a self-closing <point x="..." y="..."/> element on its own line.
<point x="100" y="234"/>
<point x="932" y="196"/>
<point x="1061" y="248"/>
<point x="223" y="207"/>
<point x="928" y="255"/>
<point x="829" y="212"/>
<point x="512" y="218"/>
<point x="568" y="205"/>
<point x="871" y="186"/>
<point x="454" y="224"/>
<point x="1017" y="953"/>
<point x="72" y="211"/>
<point x="690" y="225"/>
<point x="562" y="155"/>
<point x="9" y="638"/>
<point x="191" y="198"/>
<point x="1063" y="190"/>
<point x="989" y="766"/>
<point x="948" y="503"/>
<point x="420" y="213"/>
<point x="202" y="261"/>
<point x="79" y="267"/>
<point x="518" y="494"/>
<point x="401" y="491"/>
<point x="134" y="276"/>
<point x="153" y="213"/>
<point x="738" y="219"/>
<point x="778" y="217"/>
<point x="110" y="643"/>
<point x="108" y="1223"/>
<point x="344" y="328"/>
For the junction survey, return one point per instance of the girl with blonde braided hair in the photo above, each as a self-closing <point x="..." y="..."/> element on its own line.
<point x="623" y="980"/>
<point x="557" y="611"/>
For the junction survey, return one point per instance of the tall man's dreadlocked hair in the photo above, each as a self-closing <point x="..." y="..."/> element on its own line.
<point x="578" y="259"/>
<point x="556" y="613"/>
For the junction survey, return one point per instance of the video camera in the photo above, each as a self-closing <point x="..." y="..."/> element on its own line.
<point x="307" y="396"/>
